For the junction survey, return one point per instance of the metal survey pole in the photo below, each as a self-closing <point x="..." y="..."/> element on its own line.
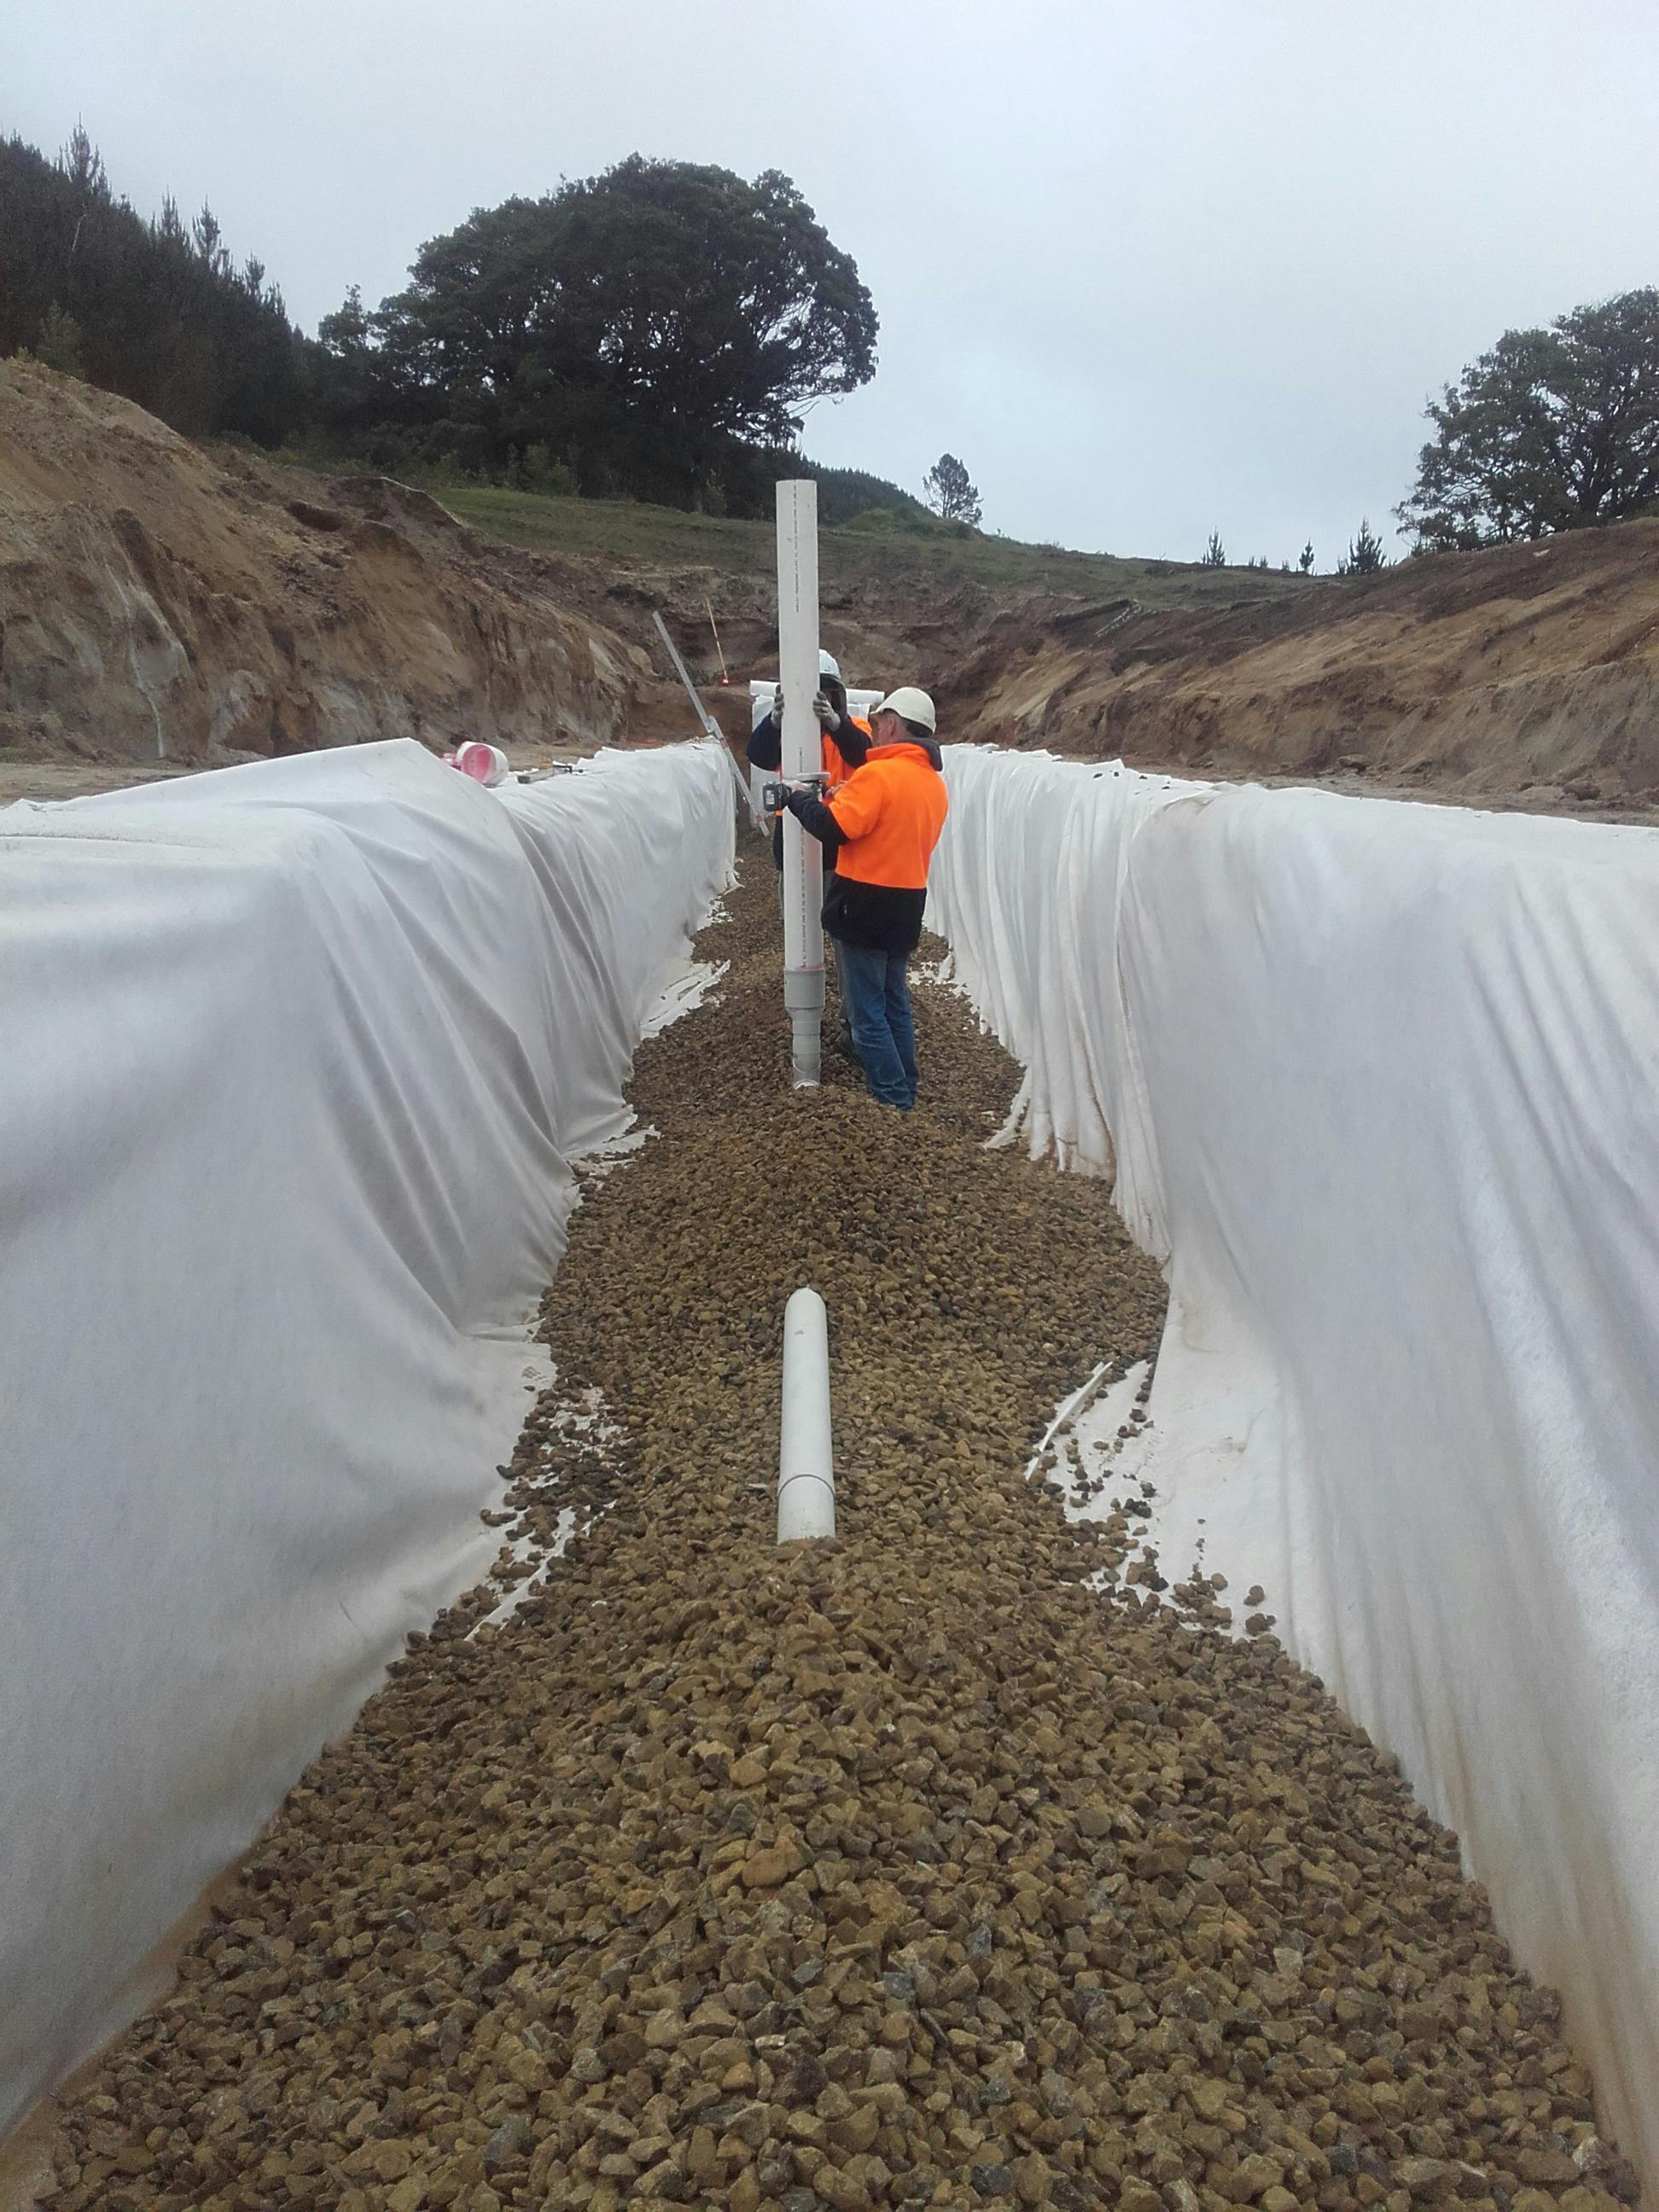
<point x="711" y="728"/>
<point x="803" y="756"/>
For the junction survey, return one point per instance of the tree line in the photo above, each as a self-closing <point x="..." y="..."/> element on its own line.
<point x="1363" y="558"/>
<point x="158" y="311"/>
<point x="657" y="331"/>
<point x="1552" y="430"/>
<point x="661" y="331"/>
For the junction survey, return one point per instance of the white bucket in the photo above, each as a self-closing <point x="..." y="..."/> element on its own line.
<point x="485" y="764"/>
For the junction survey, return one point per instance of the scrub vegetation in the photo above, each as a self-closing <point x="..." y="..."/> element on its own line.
<point x="872" y="545"/>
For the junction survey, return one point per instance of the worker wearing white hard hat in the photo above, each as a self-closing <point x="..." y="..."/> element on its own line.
<point x="845" y="742"/>
<point x="879" y="830"/>
<point x="845" y="738"/>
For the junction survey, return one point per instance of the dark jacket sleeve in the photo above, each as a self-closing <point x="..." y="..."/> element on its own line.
<point x="766" y="744"/>
<point x="852" y="742"/>
<point x="814" y="818"/>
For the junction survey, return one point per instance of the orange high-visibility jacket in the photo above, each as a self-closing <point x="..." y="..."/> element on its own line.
<point x="889" y="813"/>
<point x="838" y="769"/>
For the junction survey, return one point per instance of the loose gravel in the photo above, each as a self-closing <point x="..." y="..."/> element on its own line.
<point x="917" y="1868"/>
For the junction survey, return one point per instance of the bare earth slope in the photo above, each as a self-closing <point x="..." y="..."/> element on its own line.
<point x="158" y="600"/>
<point x="1531" y="671"/>
<point x="1528" y="675"/>
<point x="162" y="601"/>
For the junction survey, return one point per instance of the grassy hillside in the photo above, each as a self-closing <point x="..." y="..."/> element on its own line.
<point x="873" y="549"/>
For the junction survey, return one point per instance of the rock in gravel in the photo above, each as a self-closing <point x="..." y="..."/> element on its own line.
<point x="921" y="1867"/>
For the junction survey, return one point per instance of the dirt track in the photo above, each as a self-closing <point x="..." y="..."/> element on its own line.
<point x="913" y="1869"/>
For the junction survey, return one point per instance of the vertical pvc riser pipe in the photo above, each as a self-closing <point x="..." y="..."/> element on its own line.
<point x="803" y="856"/>
<point x="806" y="1479"/>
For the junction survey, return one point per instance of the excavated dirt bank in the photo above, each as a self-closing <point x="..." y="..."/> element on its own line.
<point x="912" y="1869"/>
<point x="1528" y="675"/>
<point x="158" y="599"/>
<point x="154" y="594"/>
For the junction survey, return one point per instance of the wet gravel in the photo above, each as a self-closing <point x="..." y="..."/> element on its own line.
<point x="918" y="1869"/>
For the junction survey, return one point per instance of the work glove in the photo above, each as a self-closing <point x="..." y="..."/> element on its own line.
<point x="829" y="717"/>
<point x="777" y="704"/>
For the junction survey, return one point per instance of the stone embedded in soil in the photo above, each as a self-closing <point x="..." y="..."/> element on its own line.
<point x="907" y="1869"/>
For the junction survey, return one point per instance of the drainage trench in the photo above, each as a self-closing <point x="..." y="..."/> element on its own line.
<point x="934" y="1864"/>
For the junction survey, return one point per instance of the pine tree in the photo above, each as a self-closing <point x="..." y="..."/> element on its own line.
<point x="1307" y="560"/>
<point x="150" y="310"/>
<point x="1215" y="554"/>
<point x="84" y="164"/>
<point x="59" y="344"/>
<point x="1365" y="554"/>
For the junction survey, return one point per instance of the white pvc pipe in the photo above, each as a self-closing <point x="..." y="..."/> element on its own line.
<point x="807" y="1474"/>
<point x="761" y="688"/>
<point x="803" y="755"/>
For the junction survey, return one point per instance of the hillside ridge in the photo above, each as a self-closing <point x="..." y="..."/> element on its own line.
<point x="166" y="605"/>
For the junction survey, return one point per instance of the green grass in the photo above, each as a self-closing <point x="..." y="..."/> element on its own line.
<point x="630" y="535"/>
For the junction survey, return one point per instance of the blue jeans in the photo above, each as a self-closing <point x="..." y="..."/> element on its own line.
<point x="876" y="997"/>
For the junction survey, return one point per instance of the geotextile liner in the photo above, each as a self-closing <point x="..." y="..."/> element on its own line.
<point x="1373" y="1078"/>
<point x="931" y="1866"/>
<point x="294" y="1056"/>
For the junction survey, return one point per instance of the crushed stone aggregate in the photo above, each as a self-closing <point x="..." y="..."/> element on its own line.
<point x="938" y="1865"/>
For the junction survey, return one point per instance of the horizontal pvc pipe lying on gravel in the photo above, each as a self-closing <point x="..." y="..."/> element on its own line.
<point x="807" y="1478"/>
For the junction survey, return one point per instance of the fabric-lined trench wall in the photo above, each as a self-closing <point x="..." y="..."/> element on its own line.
<point x="1382" y="1085"/>
<point x="294" y="1059"/>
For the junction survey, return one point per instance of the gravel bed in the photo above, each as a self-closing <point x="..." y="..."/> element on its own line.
<point x="919" y="1868"/>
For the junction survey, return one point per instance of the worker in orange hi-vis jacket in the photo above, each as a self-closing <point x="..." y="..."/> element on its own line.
<point x="845" y="739"/>
<point x="845" y="742"/>
<point x="880" y="829"/>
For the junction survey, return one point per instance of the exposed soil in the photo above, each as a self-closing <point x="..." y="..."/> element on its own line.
<point x="1527" y="675"/>
<point x="938" y="1865"/>
<point x="156" y="594"/>
<point x="159" y="602"/>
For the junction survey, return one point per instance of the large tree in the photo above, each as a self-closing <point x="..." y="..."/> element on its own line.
<point x="655" y="314"/>
<point x="1552" y="430"/>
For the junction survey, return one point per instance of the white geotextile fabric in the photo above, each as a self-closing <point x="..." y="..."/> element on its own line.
<point x="1383" y="1081"/>
<point x="295" y="1056"/>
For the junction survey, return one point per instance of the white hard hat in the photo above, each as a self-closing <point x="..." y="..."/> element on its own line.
<point x="910" y="705"/>
<point x="828" y="665"/>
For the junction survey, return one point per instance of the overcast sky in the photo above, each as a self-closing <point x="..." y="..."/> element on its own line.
<point x="1149" y="270"/>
